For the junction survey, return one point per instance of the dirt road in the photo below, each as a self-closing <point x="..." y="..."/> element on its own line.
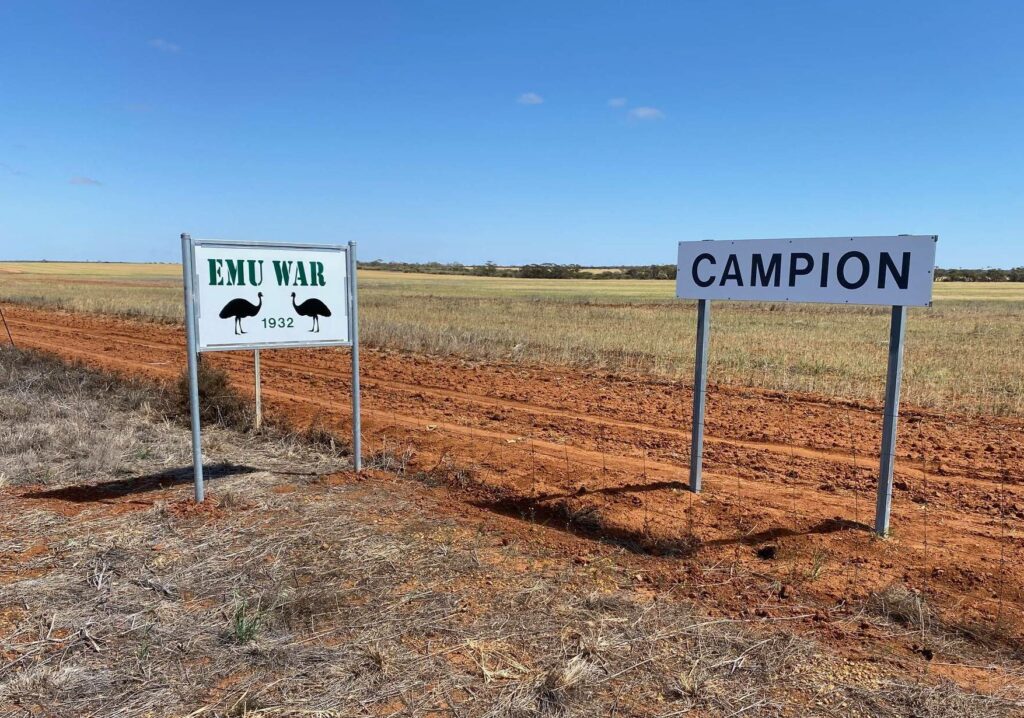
<point x="789" y="478"/>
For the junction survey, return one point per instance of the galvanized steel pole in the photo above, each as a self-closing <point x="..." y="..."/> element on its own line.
<point x="353" y="318"/>
<point x="700" y="383"/>
<point x="889" y="420"/>
<point x="193" y="369"/>
<point x="259" y="388"/>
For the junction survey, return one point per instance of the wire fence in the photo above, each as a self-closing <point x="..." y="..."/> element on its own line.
<point x="789" y="488"/>
<point x="798" y="513"/>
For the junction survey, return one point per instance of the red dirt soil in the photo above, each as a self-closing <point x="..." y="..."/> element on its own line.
<point x="789" y="479"/>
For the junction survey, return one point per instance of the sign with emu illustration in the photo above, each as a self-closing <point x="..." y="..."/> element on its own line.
<point x="270" y="295"/>
<point x="895" y="271"/>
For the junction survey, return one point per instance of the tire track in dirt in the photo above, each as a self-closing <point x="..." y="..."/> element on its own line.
<point x="375" y="383"/>
<point x="764" y="474"/>
<point x="556" y="453"/>
<point x="172" y="356"/>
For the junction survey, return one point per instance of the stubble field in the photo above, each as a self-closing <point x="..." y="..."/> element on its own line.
<point x="962" y="353"/>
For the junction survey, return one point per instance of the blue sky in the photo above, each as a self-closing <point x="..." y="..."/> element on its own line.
<point x="591" y="132"/>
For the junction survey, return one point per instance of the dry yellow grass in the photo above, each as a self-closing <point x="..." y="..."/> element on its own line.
<point x="963" y="353"/>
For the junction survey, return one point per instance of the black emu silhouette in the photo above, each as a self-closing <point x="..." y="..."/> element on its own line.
<point x="312" y="308"/>
<point x="240" y="309"/>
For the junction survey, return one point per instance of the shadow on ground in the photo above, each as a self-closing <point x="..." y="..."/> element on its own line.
<point x="138" y="484"/>
<point x="554" y="512"/>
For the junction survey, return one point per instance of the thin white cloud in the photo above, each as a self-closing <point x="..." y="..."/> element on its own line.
<point x="85" y="181"/>
<point x="13" y="170"/>
<point x="162" y="45"/>
<point x="617" y="102"/>
<point x="646" y="113"/>
<point x="530" y="98"/>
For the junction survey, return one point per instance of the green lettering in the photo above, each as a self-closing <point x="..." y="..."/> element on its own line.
<point x="316" y="274"/>
<point x="300" y="275"/>
<point x="215" y="278"/>
<point x="283" y="271"/>
<point x="255" y="280"/>
<point x="236" y="272"/>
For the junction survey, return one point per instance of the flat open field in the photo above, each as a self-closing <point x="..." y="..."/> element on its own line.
<point x="606" y="455"/>
<point x="962" y="354"/>
<point x="573" y="440"/>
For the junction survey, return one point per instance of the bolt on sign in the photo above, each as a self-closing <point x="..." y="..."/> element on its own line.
<point x="252" y="296"/>
<point x="897" y="271"/>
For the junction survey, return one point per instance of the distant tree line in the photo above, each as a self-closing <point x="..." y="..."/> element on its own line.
<point x="528" y="271"/>
<point x="551" y="271"/>
<point x="653" y="271"/>
<point x="419" y="268"/>
<point x="980" y="275"/>
<point x="647" y="271"/>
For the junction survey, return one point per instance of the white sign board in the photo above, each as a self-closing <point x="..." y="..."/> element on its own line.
<point x="895" y="271"/>
<point x="251" y="296"/>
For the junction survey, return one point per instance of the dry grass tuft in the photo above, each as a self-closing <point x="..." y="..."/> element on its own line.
<point x="75" y="438"/>
<point x="902" y="605"/>
<point x="925" y="700"/>
<point x="219" y="401"/>
<point x="554" y="692"/>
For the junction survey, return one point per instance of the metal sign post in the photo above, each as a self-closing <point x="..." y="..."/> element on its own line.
<point x="353" y="289"/>
<point x="193" y="366"/>
<point x="700" y="391"/>
<point x="252" y="296"/>
<point x="896" y="271"/>
<point x="258" y="387"/>
<point x="892" y="409"/>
